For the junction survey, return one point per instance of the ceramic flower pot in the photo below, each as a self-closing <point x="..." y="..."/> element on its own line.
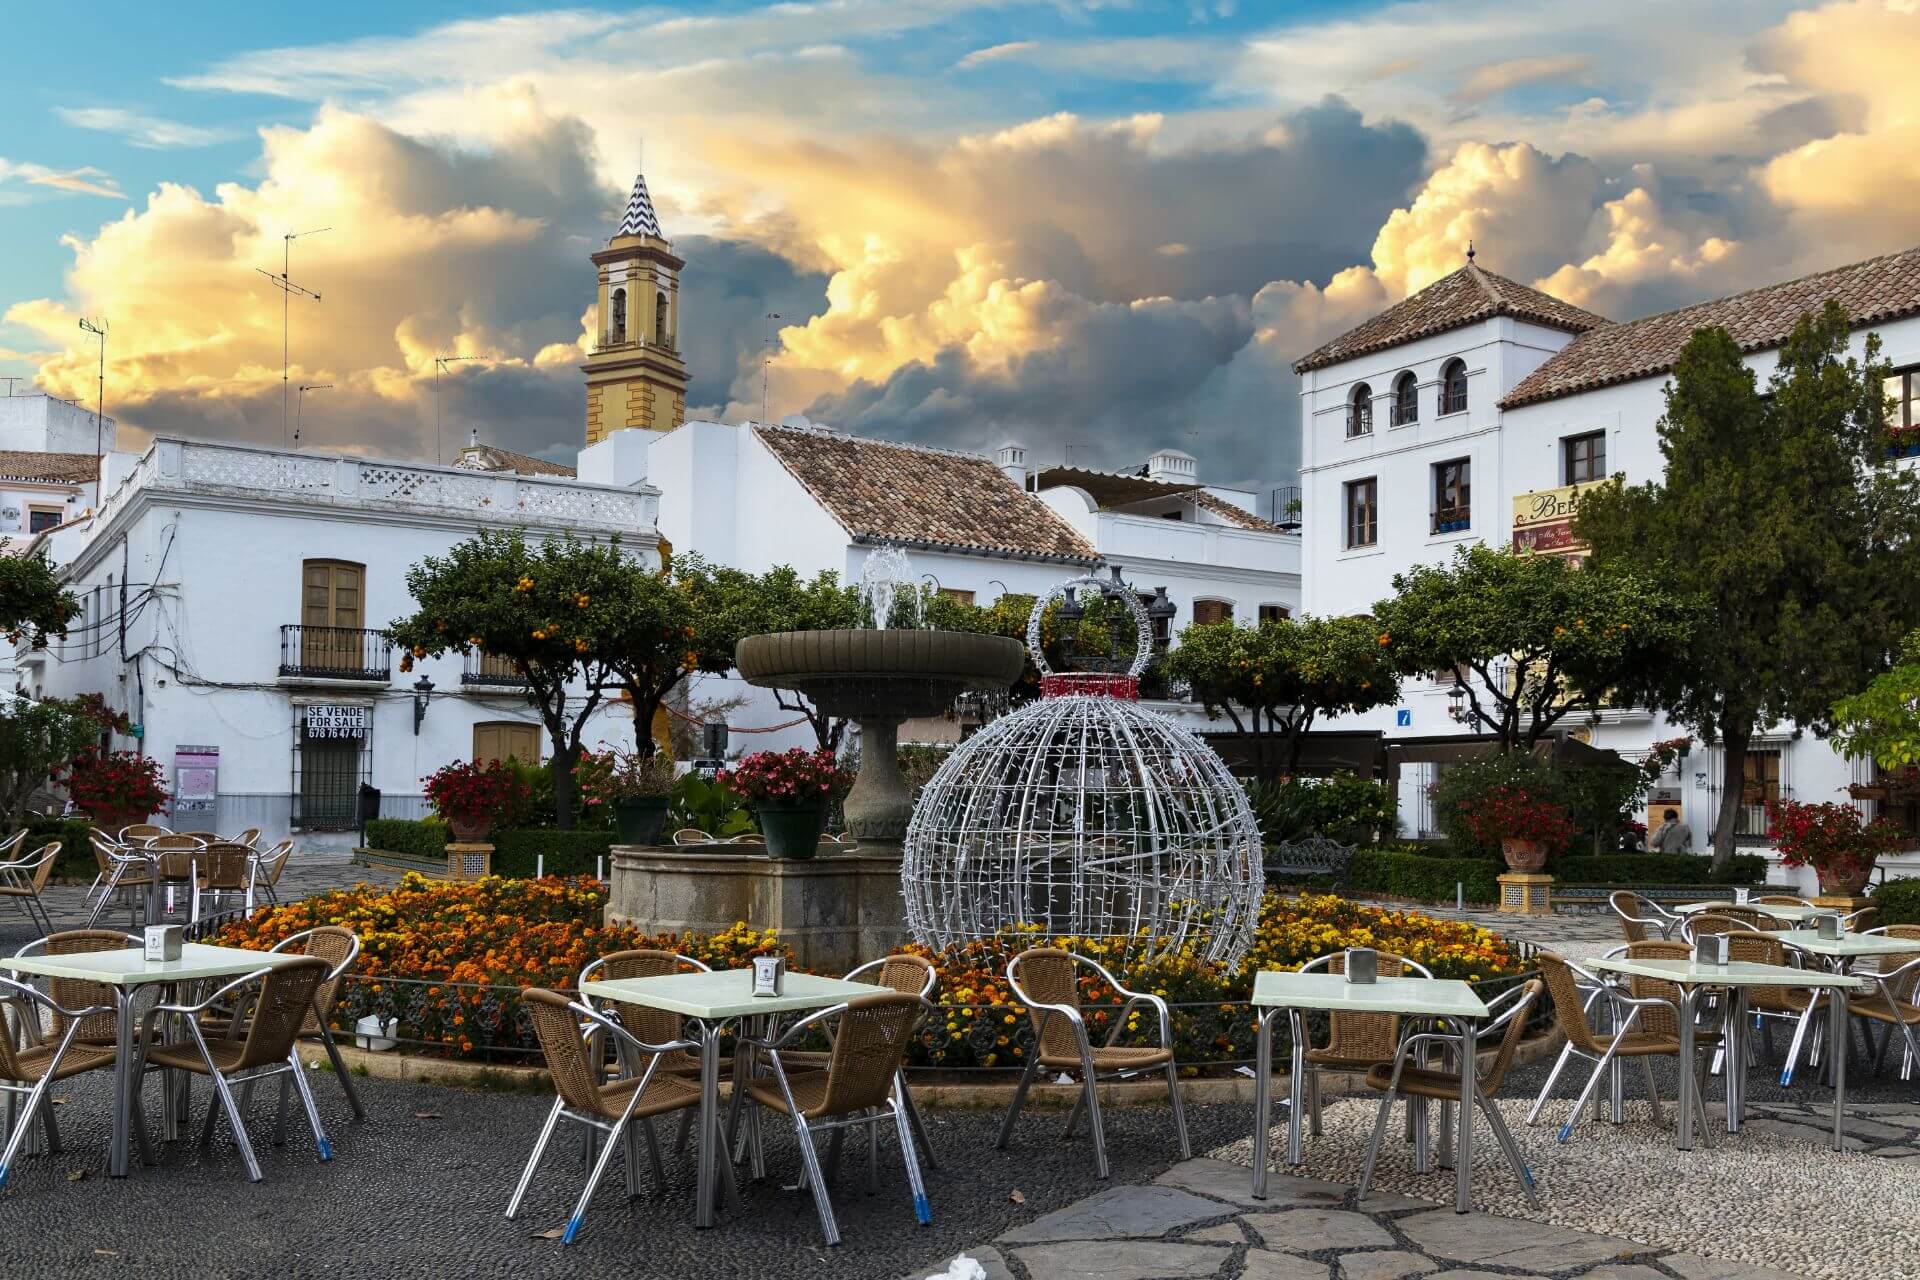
<point x="1523" y="855"/>
<point x="470" y="830"/>
<point x="640" y="819"/>
<point x="1837" y="882"/>
<point x="792" y="831"/>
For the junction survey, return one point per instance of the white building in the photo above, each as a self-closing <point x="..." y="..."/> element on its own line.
<point x="758" y="496"/>
<point x="1475" y="409"/>
<point x="234" y="600"/>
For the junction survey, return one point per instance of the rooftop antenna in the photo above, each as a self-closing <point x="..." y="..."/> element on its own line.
<point x="439" y="364"/>
<point x="100" y="405"/>
<point x="300" y="403"/>
<point x="766" y="361"/>
<point x="284" y="283"/>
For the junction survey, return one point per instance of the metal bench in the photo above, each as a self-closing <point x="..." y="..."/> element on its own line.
<point x="1319" y="856"/>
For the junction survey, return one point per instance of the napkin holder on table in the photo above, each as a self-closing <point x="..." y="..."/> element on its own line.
<point x="769" y="975"/>
<point x="1742" y="895"/>
<point x="1362" y="964"/>
<point x="1710" y="948"/>
<point x="164" y="942"/>
<point x="1830" y="926"/>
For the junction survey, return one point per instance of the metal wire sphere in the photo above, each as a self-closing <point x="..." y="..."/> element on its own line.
<point x="1085" y="816"/>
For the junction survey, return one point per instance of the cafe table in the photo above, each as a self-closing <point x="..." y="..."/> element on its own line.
<point x="126" y="971"/>
<point x="712" y="1000"/>
<point x="1297" y="993"/>
<point x="1778" y="910"/>
<point x="1736" y="977"/>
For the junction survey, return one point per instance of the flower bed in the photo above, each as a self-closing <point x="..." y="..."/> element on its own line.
<point x="448" y="960"/>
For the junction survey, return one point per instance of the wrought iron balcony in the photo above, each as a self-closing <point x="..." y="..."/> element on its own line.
<point x="335" y="653"/>
<point x="484" y="670"/>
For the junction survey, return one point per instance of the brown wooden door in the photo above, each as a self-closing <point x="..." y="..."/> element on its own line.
<point x="332" y="613"/>
<point x="499" y="739"/>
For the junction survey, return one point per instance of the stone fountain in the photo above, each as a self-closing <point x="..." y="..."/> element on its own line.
<point x="879" y="676"/>
<point x="840" y="908"/>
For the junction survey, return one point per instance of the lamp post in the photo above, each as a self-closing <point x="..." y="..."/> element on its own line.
<point x="1457" y="704"/>
<point x="100" y="404"/>
<point x="422" y="692"/>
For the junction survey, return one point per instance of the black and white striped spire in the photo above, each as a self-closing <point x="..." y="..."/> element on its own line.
<point x="640" y="219"/>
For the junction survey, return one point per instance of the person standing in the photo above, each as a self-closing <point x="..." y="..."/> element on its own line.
<point x="1672" y="835"/>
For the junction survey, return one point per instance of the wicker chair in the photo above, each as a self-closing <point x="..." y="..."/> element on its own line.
<point x="646" y="1024"/>
<point x="141" y="832"/>
<point x="1860" y="921"/>
<point x="1779" y="900"/>
<point x="1895" y="1002"/>
<point x="1358" y="1041"/>
<point x="859" y="1087"/>
<point x="1045" y="980"/>
<point x="339" y="947"/>
<point x="609" y="1109"/>
<point x="96" y="1028"/>
<point x="23" y="879"/>
<point x="28" y="1071"/>
<point x="1638" y="914"/>
<point x="1648" y="1026"/>
<point x="266" y="870"/>
<point x="120" y="872"/>
<point x="1723" y="920"/>
<point x="220" y="871"/>
<point x="249" y="837"/>
<point x="280" y="1008"/>
<point x="177" y="855"/>
<point x="1402" y="1078"/>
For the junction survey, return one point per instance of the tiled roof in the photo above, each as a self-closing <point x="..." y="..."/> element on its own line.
<point x="881" y="491"/>
<point x="54" y="468"/>
<point x="1468" y="296"/>
<point x="486" y="457"/>
<point x="1874" y="291"/>
<point x="640" y="219"/>
<point x="1233" y="515"/>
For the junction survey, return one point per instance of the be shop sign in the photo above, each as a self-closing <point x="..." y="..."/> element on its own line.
<point x="330" y="720"/>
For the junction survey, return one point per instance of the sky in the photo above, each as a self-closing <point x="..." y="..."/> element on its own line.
<point x="1092" y="227"/>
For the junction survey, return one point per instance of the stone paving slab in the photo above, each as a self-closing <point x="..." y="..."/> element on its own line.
<point x="1126" y="1212"/>
<point x="1122" y="1260"/>
<point x="1479" y="1237"/>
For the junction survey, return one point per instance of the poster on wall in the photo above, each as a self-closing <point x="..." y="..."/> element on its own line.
<point x="196" y="781"/>
<point x="331" y="720"/>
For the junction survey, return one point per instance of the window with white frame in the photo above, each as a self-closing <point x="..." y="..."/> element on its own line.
<point x="1453" y="495"/>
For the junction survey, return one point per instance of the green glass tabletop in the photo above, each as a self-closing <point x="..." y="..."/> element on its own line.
<point x="131" y="968"/>
<point x="1736" y="973"/>
<point x="1848" y="944"/>
<point x="727" y="993"/>
<point x="1434" y="997"/>
<point x="1778" y="910"/>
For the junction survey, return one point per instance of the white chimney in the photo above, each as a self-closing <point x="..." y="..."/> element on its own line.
<point x="1171" y="466"/>
<point x="1012" y="459"/>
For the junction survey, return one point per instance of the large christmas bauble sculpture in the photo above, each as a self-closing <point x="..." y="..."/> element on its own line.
<point x="1084" y="814"/>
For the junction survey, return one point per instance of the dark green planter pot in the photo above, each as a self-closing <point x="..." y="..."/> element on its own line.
<point x="792" y="832"/>
<point x="640" y="819"/>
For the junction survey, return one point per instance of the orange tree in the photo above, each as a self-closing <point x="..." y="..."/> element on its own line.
<point x="553" y="610"/>
<point x="33" y="602"/>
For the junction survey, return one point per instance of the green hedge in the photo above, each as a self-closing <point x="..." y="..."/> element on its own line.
<point x="425" y="839"/>
<point x="1628" y="869"/>
<point x="568" y="853"/>
<point x="1899" y="902"/>
<point x="76" y="854"/>
<point x="1423" y="879"/>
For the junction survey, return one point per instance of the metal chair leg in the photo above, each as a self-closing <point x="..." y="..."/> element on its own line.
<point x="1313" y="1101"/>
<point x="300" y="1086"/>
<point x="1019" y="1097"/>
<point x="902" y="1124"/>
<point x="233" y="1117"/>
<point x="921" y="1145"/>
<point x="1373" y="1143"/>
<point x="340" y="1070"/>
<point x="1179" y="1110"/>
<point x="631" y="1164"/>
<point x="607" y="1149"/>
<point x="810" y="1160"/>
<point x="653" y="1158"/>
<point x="1553" y="1078"/>
<point x="1512" y="1148"/>
<point x="1593" y="1082"/>
<point x="1092" y="1093"/>
<point x="1799" y="1037"/>
<point x="1653" y="1090"/>
<point x="533" y="1161"/>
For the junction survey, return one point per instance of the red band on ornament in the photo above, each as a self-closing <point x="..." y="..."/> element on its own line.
<point x="1093" y="684"/>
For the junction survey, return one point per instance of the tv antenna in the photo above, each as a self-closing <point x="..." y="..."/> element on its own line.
<point x="300" y="403"/>
<point x="100" y="405"/>
<point x="766" y="361"/>
<point x="439" y="364"/>
<point x="284" y="283"/>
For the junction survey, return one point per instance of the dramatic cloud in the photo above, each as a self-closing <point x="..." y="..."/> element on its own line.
<point x="141" y="128"/>
<point x="1497" y="77"/>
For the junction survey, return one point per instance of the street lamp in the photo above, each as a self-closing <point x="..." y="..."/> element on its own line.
<point x="100" y="405"/>
<point x="422" y="691"/>
<point x="1457" y="704"/>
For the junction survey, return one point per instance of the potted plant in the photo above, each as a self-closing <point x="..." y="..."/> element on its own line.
<point x="789" y="791"/>
<point x="636" y="789"/>
<point x="1834" y="839"/>
<point x="472" y="797"/>
<point x="1526" y="825"/>
<point x="115" y="788"/>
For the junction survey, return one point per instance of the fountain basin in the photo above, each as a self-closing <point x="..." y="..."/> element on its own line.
<point x="863" y="674"/>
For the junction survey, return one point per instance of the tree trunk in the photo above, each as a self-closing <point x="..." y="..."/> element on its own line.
<point x="1733" y="781"/>
<point x="564" y="757"/>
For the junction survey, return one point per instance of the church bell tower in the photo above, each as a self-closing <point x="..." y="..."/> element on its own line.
<point x="635" y="376"/>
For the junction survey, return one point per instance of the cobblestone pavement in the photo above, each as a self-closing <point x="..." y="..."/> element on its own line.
<point x="1571" y="934"/>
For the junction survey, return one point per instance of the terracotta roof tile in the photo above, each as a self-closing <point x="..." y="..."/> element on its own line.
<point x="1467" y="296"/>
<point x="1233" y="515"/>
<point x="487" y="457"/>
<point x="1874" y="291"/>
<point x="55" y="468"/>
<point x="881" y="491"/>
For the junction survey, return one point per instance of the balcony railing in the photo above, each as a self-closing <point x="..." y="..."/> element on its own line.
<point x="484" y="670"/>
<point x="335" y="653"/>
<point x="1452" y="519"/>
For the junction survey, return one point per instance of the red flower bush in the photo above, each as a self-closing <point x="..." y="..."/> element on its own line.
<point x="795" y="777"/>
<point x="472" y="794"/>
<point x="115" y="783"/>
<point x="1514" y="813"/>
<point x="1833" y="839"/>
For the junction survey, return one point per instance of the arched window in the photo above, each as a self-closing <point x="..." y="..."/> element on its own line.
<point x="660" y="334"/>
<point x="1360" y="411"/>
<point x="1453" y="387"/>
<point x="1406" y="400"/>
<point x="617" y="328"/>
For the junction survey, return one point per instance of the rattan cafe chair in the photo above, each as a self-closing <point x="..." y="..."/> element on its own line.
<point x="22" y="880"/>
<point x="858" y="1088"/>
<point x="221" y="871"/>
<point x="28" y="1071"/>
<point x="1045" y="980"/>
<point x="692" y="835"/>
<point x="1779" y="900"/>
<point x="564" y="1029"/>
<point x="644" y="1023"/>
<point x="1723" y="920"/>
<point x="99" y="1026"/>
<point x="1404" y="1078"/>
<point x="250" y="837"/>
<point x="282" y="1005"/>
<point x="122" y="872"/>
<point x="141" y="832"/>
<point x="1894" y="1001"/>
<point x="1641" y="917"/>
<point x="1358" y="1041"/>
<point x="266" y="870"/>
<point x="177" y="856"/>
<point x="339" y="947"/>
